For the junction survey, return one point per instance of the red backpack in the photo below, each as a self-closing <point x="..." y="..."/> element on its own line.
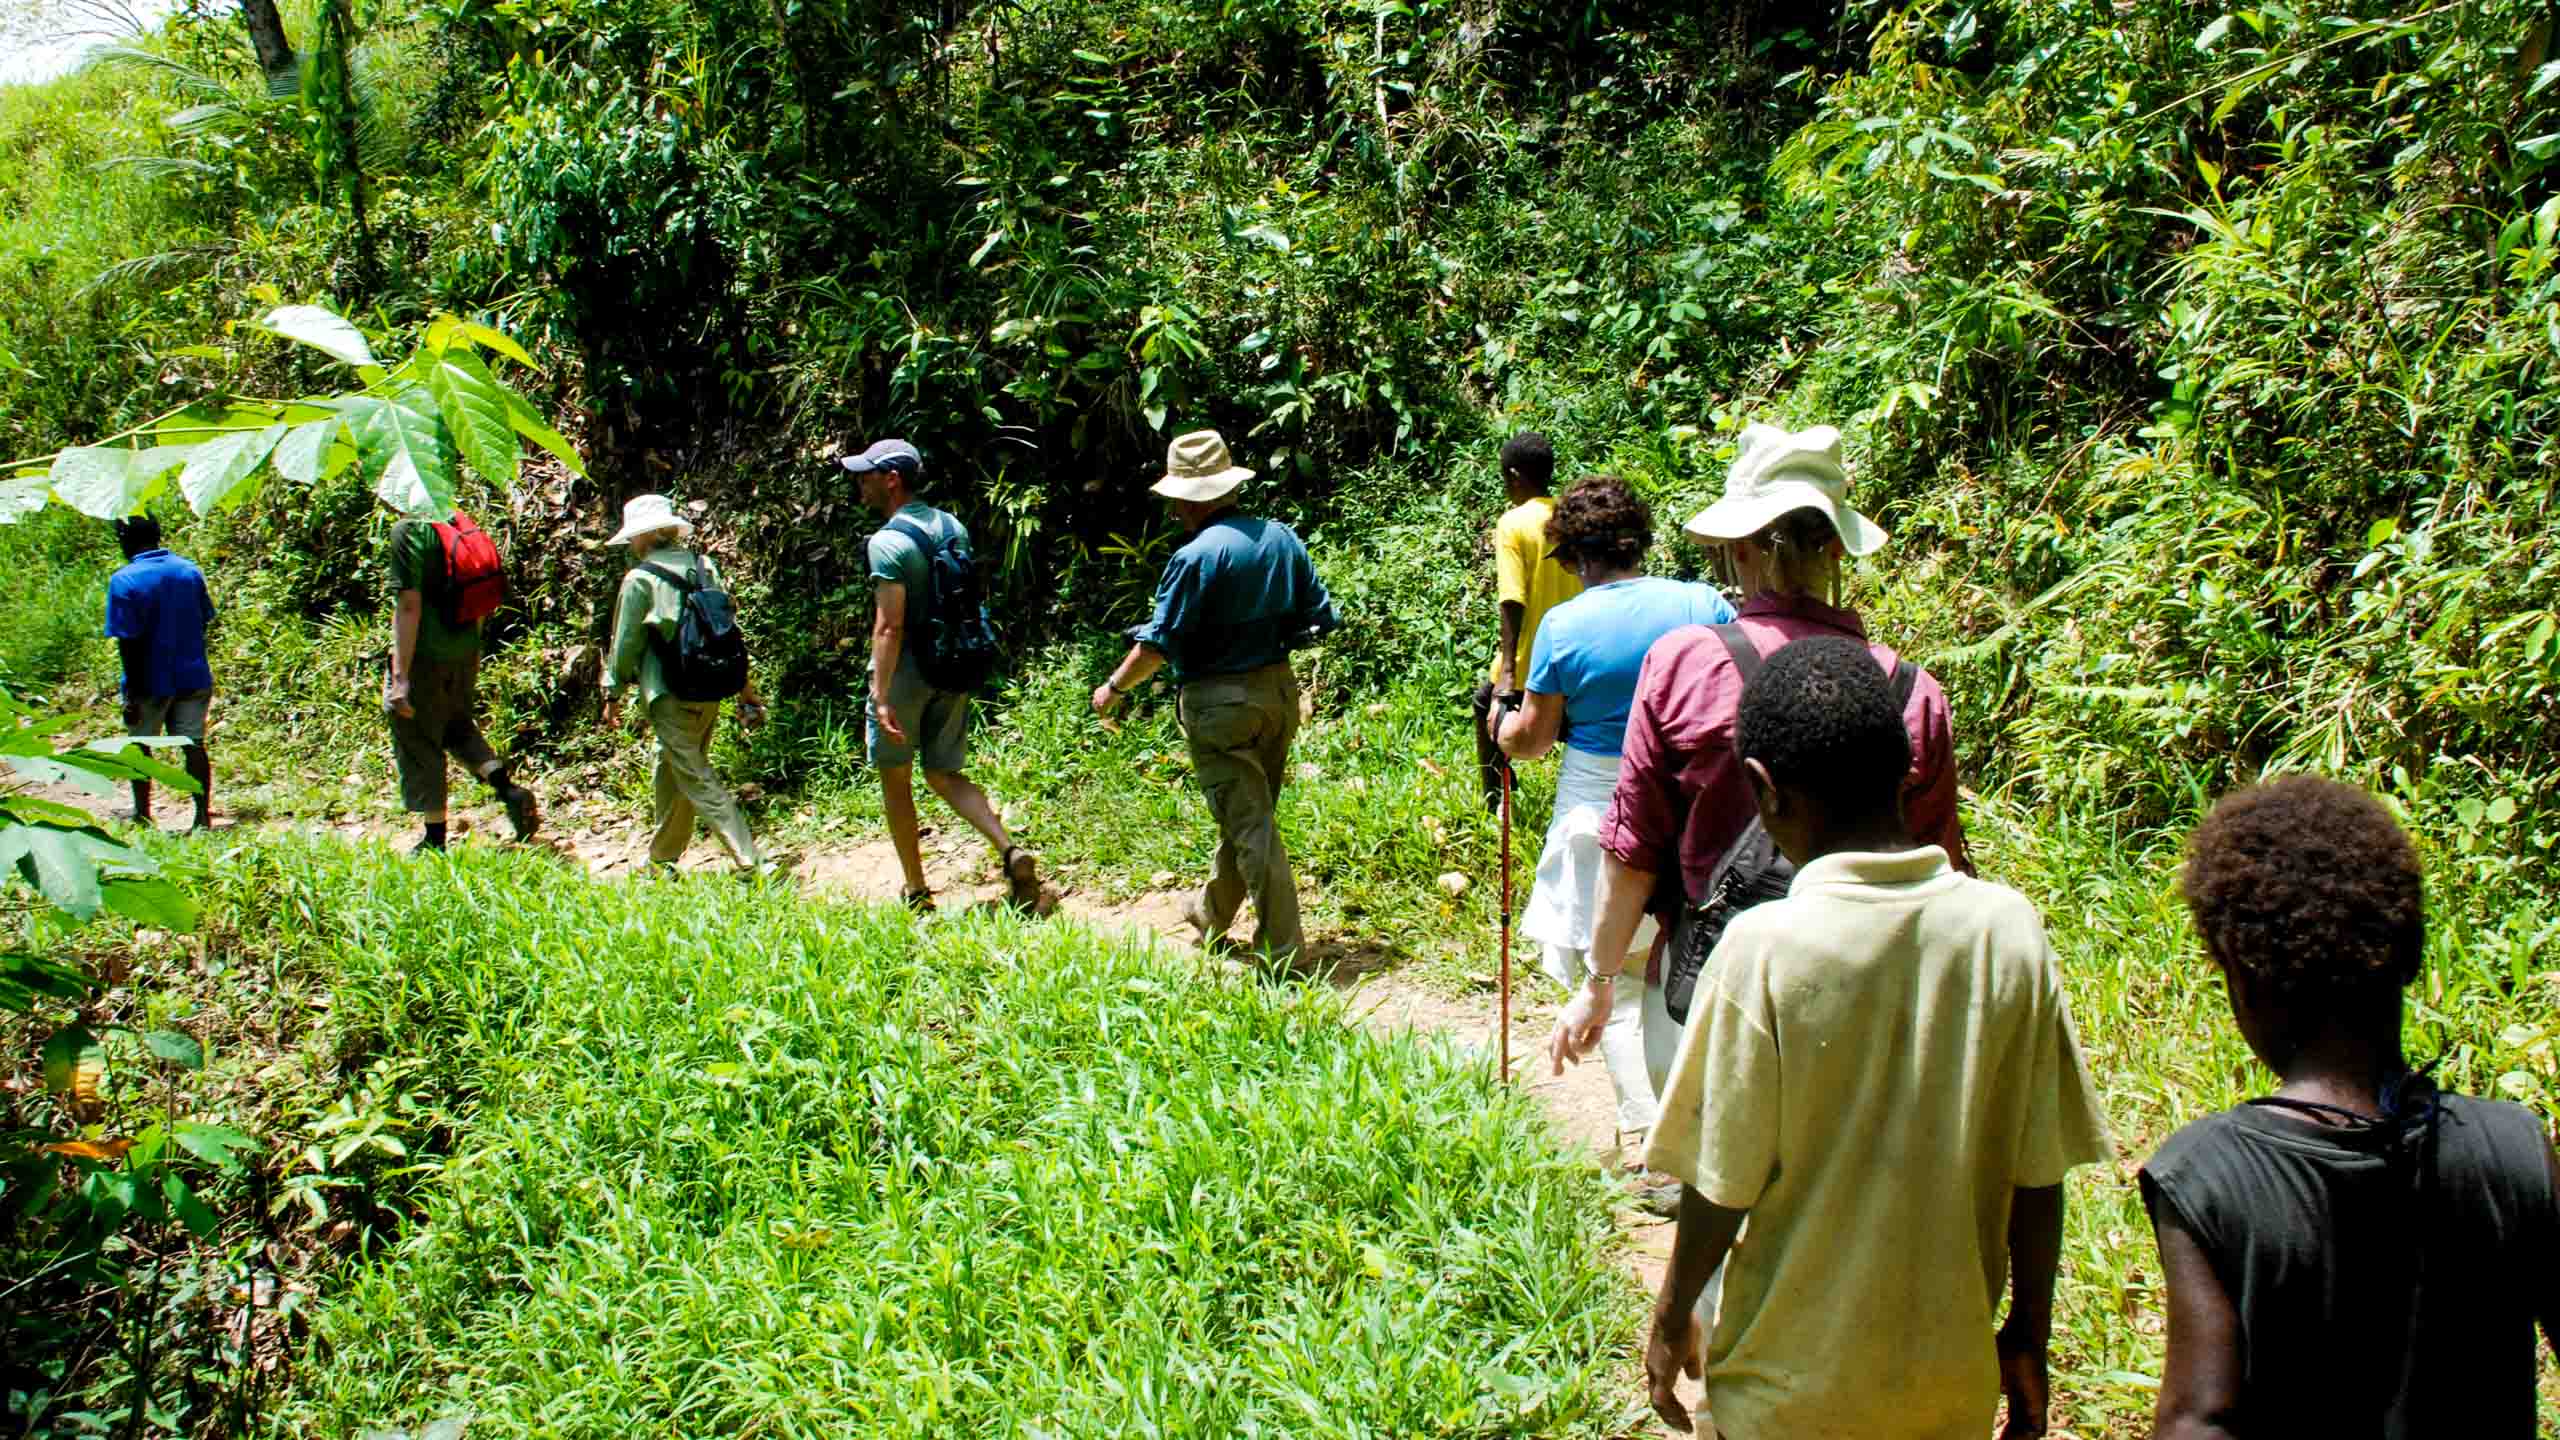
<point x="474" y="580"/>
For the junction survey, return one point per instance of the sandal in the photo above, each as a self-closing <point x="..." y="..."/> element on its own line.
<point x="1022" y="879"/>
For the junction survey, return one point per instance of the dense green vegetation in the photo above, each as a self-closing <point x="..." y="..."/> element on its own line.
<point x="2200" y="361"/>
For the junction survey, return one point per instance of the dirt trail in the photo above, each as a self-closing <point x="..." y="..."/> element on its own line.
<point x="604" y="839"/>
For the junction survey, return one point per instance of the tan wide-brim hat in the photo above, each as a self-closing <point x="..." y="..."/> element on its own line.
<point x="645" y="514"/>
<point x="1197" y="467"/>
<point x="1777" y="471"/>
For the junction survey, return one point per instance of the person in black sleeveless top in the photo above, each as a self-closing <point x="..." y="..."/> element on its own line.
<point x="2358" y="1254"/>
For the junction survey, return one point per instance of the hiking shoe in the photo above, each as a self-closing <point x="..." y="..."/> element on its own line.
<point x="920" y="901"/>
<point x="427" y="847"/>
<point x="1022" y="879"/>
<point x="523" y="812"/>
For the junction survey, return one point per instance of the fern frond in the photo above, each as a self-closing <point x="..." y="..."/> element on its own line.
<point x="158" y="167"/>
<point x="153" y="273"/>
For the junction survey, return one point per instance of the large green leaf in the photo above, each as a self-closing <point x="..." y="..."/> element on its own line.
<point x="129" y="757"/>
<point x="22" y="497"/>
<point x="474" y="407"/>
<point x="61" y="864"/>
<point x="99" y="481"/>
<point x="303" y="455"/>
<point x="321" y="330"/>
<point x="405" y="454"/>
<point x="48" y="770"/>
<point x="214" y="472"/>
<point x="148" y="900"/>
<point x="529" y="425"/>
<point x="72" y="1059"/>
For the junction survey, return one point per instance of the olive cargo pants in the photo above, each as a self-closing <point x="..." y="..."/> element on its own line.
<point x="1238" y="728"/>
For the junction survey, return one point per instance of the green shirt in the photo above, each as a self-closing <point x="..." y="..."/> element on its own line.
<point x="896" y="559"/>
<point x="649" y="604"/>
<point x="417" y="558"/>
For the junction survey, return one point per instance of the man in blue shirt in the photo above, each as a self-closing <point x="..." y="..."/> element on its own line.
<point x="157" y="611"/>
<point x="1235" y="600"/>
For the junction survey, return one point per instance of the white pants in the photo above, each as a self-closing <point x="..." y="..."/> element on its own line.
<point x="1641" y="1039"/>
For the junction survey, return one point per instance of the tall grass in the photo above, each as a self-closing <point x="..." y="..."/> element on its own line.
<point x="727" y="1160"/>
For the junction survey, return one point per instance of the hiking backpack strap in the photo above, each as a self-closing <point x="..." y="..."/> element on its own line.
<point x="1906" y="678"/>
<point x="913" y="531"/>
<point x="1746" y="656"/>
<point x="687" y="584"/>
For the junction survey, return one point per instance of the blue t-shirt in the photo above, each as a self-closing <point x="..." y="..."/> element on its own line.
<point x="159" y="602"/>
<point x="1591" y="649"/>
<point x="1240" y="595"/>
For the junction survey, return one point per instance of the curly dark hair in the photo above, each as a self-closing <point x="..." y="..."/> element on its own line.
<point x="1601" y="518"/>
<point x="137" y="533"/>
<point x="2307" y="885"/>
<point x="1529" y="456"/>
<point x="1821" y="715"/>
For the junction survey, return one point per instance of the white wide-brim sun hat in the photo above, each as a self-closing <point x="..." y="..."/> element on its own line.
<point x="1777" y="471"/>
<point x="643" y="514"/>
<point x="1197" y="467"/>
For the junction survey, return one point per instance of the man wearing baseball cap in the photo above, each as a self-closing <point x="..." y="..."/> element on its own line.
<point x="908" y="714"/>
<point x="1234" y="601"/>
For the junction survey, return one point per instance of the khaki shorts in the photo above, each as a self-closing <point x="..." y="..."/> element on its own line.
<point x="168" y="714"/>
<point x="936" y="722"/>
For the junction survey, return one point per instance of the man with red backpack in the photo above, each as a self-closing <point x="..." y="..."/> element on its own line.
<point x="448" y="580"/>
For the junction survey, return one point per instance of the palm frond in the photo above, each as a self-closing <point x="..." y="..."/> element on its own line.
<point x="127" y="57"/>
<point x="158" y="167"/>
<point x="153" y="273"/>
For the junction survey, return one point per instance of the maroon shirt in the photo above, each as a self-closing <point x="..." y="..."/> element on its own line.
<point x="1681" y="791"/>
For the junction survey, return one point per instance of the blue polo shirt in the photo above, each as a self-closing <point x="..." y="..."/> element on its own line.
<point x="158" y="603"/>
<point x="1238" y="596"/>
<point x="1591" y="648"/>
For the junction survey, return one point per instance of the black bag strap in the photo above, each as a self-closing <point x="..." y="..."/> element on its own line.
<point x="913" y="531"/>
<point x="1746" y="656"/>
<point x="1747" y="659"/>
<point x="688" y="584"/>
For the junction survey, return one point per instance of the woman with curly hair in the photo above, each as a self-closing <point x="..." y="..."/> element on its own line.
<point x="2357" y="1253"/>
<point x="1582" y="676"/>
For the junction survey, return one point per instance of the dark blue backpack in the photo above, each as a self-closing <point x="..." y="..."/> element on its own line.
<point x="707" y="659"/>
<point x="949" y="634"/>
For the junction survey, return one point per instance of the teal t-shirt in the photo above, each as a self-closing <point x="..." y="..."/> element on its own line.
<point x="417" y="558"/>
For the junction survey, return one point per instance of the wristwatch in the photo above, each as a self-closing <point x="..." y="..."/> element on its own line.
<point x="1116" y="690"/>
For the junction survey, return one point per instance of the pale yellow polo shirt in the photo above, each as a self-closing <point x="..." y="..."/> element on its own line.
<point x="1525" y="573"/>
<point x="1871" y="1066"/>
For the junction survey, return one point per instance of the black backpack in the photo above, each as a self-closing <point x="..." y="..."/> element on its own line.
<point x="951" y="638"/>
<point x="1752" y="871"/>
<point x="707" y="659"/>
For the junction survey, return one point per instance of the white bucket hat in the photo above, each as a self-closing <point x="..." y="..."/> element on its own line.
<point x="1777" y="471"/>
<point x="1197" y="467"/>
<point x="645" y="513"/>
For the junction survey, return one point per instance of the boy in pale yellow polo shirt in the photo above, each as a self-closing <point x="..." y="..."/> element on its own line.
<point x="1527" y="583"/>
<point x="1879" y="1074"/>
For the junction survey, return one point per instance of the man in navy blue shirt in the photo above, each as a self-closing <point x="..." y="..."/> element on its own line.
<point x="1235" y="600"/>
<point x="157" y="610"/>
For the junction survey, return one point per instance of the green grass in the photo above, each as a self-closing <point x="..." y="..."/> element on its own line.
<point x="724" y="1159"/>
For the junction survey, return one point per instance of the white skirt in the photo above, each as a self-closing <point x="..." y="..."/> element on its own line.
<point x="1564" y="899"/>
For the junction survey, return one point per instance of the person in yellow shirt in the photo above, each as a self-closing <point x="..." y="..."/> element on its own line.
<point x="1528" y="582"/>
<point x="1880" y="1074"/>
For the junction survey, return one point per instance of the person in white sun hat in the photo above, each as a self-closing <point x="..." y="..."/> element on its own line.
<point x="1778" y="535"/>
<point x="646" y="614"/>
<point x="1235" y="600"/>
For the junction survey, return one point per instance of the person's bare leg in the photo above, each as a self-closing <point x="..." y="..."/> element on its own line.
<point x="200" y="770"/>
<point x="898" y="801"/>
<point x="971" y="804"/>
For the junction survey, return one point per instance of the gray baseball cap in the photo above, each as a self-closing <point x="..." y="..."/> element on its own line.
<point x="895" y="455"/>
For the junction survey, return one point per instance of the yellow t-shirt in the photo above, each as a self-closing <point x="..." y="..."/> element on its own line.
<point x="1872" y="1065"/>
<point x="1525" y="573"/>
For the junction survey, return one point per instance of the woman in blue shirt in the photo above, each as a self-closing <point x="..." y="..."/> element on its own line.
<point x="1582" y="683"/>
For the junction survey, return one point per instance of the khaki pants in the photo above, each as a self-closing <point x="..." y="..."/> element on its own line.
<point x="1239" y="728"/>
<point x="688" y="786"/>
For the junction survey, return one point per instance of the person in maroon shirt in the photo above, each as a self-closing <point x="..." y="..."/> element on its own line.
<point x="1778" y="534"/>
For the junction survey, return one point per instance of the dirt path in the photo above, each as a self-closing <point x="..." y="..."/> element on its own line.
<point x="602" y="837"/>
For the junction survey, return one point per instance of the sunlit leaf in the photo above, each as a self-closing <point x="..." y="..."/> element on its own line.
<point x="302" y="456"/>
<point x="474" y="409"/>
<point x="404" y="453"/>
<point x="98" y="481"/>
<point x="176" y="1047"/>
<point x="322" y="330"/>
<point x="520" y="414"/>
<point x="107" y="1151"/>
<point x="214" y="472"/>
<point x="75" y="1064"/>
<point x="148" y="900"/>
<point x="497" y="340"/>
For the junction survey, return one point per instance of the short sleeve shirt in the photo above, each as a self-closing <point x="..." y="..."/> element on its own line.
<point x="416" y="560"/>
<point x="2384" y="1279"/>
<point x="1591" y="648"/>
<point x="1872" y="1066"/>
<point x="159" y="602"/>
<point x="896" y="559"/>
<point x="1525" y="573"/>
